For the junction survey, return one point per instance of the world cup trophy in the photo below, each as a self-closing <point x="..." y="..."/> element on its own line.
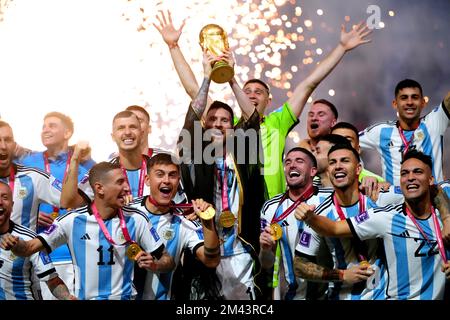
<point x="213" y="38"/>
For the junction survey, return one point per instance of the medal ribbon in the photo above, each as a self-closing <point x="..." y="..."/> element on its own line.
<point x="186" y="207"/>
<point x="225" y="205"/>
<point x="362" y="208"/>
<point x="303" y="197"/>
<point x="437" y="229"/>
<point x="123" y="226"/>
<point x="48" y="170"/>
<point x="141" y="176"/>
<point x="404" y="141"/>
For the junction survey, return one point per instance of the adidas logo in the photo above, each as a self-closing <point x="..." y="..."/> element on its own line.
<point x="405" y="234"/>
<point x="85" y="237"/>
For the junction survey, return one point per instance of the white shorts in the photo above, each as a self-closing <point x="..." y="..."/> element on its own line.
<point x="66" y="273"/>
<point x="235" y="275"/>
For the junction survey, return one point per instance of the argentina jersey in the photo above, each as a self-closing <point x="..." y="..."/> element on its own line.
<point x="427" y="138"/>
<point x="344" y="255"/>
<point x="20" y="276"/>
<point x="414" y="264"/>
<point x="445" y="185"/>
<point x="391" y="196"/>
<point x="103" y="270"/>
<point x="177" y="233"/>
<point x="32" y="187"/>
<point x="289" y="286"/>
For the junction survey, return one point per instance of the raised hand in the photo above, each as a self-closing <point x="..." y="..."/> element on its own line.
<point x="82" y="150"/>
<point x="355" y="37"/>
<point x="304" y="211"/>
<point x="266" y="240"/>
<point x="169" y="33"/>
<point x="8" y="241"/>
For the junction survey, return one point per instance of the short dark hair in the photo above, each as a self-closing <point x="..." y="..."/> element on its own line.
<point x="329" y="104"/>
<point x="305" y="151"/>
<point x="334" y="139"/>
<point x="162" y="158"/>
<point x="407" y="83"/>
<point x="346" y="146"/>
<point x="221" y="105"/>
<point x="259" y="82"/>
<point x="66" y="120"/>
<point x="140" y="109"/>
<point x="124" y="114"/>
<point x="346" y="125"/>
<point x="99" y="171"/>
<point x="414" y="154"/>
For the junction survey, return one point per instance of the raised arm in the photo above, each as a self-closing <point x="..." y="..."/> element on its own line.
<point x="70" y="198"/>
<point x="209" y="253"/>
<point x="20" y="247"/>
<point x="200" y="100"/>
<point x="171" y="35"/>
<point x="442" y="203"/>
<point x="349" y="40"/>
<point x="243" y="100"/>
<point x="322" y="225"/>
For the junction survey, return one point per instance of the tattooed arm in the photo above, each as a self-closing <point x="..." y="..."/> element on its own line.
<point x="59" y="289"/>
<point x="305" y="268"/>
<point x="199" y="102"/>
<point x="442" y="203"/>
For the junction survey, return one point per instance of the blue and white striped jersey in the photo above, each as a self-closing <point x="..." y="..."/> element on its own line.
<point x="178" y="233"/>
<point x="58" y="170"/>
<point x="428" y="138"/>
<point x="345" y="256"/>
<point x="445" y="185"/>
<point x="290" y="287"/>
<point x="414" y="265"/>
<point x="392" y="196"/>
<point x="133" y="180"/>
<point x="32" y="187"/>
<point x="103" y="270"/>
<point x="20" y="277"/>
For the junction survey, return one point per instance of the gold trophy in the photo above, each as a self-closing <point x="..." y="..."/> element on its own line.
<point x="213" y="38"/>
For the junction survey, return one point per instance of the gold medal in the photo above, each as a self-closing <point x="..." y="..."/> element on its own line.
<point x="365" y="263"/>
<point x="208" y="214"/>
<point x="133" y="251"/>
<point x="54" y="215"/>
<point x="277" y="231"/>
<point x="226" y="219"/>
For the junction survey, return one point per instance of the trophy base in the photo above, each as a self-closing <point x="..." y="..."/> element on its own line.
<point x="222" y="72"/>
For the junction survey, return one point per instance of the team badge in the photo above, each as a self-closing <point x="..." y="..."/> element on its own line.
<point x="12" y="256"/>
<point x="419" y="135"/>
<point x="22" y="193"/>
<point x="168" y="234"/>
<point x="121" y="237"/>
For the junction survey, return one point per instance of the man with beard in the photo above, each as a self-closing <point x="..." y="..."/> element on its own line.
<point x="281" y="230"/>
<point x="255" y="94"/>
<point x="103" y="240"/>
<point x="411" y="234"/>
<point x="354" y="261"/>
<point x="227" y="175"/>
<point x="177" y="232"/>
<point x="392" y="139"/>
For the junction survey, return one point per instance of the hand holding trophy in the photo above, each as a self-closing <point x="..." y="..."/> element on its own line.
<point x="214" y="39"/>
